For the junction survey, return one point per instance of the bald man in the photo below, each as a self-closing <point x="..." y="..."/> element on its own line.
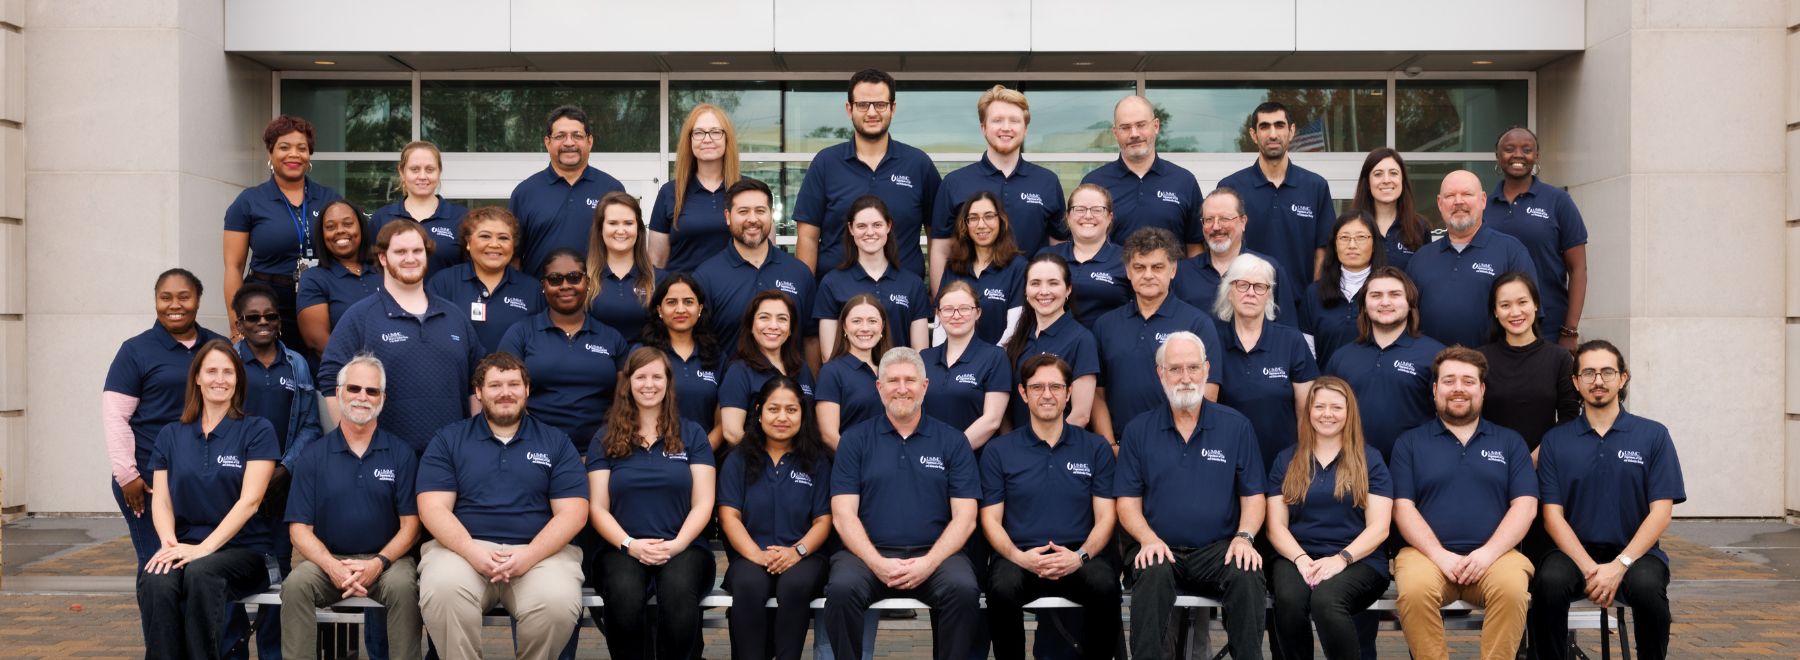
<point x="1148" y="191"/>
<point x="1456" y="273"/>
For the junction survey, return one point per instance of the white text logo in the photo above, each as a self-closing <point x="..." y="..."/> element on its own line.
<point x="393" y="337"/>
<point x="1405" y="367"/>
<point x="444" y="232"/>
<point x="1080" y="469"/>
<point x="967" y="379"/>
<point x="801" y="478"/>
<point x="788" y="288"/>
<point x="1169" y="197"/>
<point x="1494" y="455"/>
<point x="384" y="474"/>
<point x="1536" y="212"/>
<point x="538" y="457"/>
<point x="900" y="180"/>
<point x="597" y="350"/>
<point x="1214" y="455"/>
<point x="1031" y="198"/>
<point x="230" y="461"/>
<point x="1102" y="276"/>
<point x="899" y="299"/>
<point x="1630" y="457"/>
<point x="1302" y="211"/>
<point x="1483" y="268"/>
<point x="932" y="462"/>
<point x="994" y="294"/>
<point x="1274" y="372"/>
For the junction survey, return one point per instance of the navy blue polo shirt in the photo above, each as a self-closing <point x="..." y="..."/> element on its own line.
<point x="729" y="283"/>
<point x="956" y="394"/>
<point x="1331" y="327"/>
<point x="617" y="303"/>
<point x="519" y="296"/>
<point x="696" y="388"/>
<point x="902" y="295"/>
<point x="1128" y="344"/>
<point x="436" y="352"/>
<point x="998" y="288"/>
<point x="1546" y="222"/>
<point x="742" y="382"/>
<point x="1099" y="284"/>
<point x="783" y="503"/>
<point x="1398" y="255"/>
<point x="333" y="285"/>
<point x="1033" y="198"/>
<point x="503" y="491"/>
<point x="572" y="377"/>
<point x="1190" y="486"/>
<point x="153" y="367"/>
<point x="905" y="484"/>
<point x="1167" y="196"/>
<point x="279" y="232"/>
<point x="1289" y="223"/>
<point x="269" y="391"/>
<point x="905" y="180"/>
<point x="652" y="490"/>
<point x="700" y="232"/>
<point x="1324" y="525"/>
<point x="1454" y="287"/>
<point x="553" y="214"/>
<point x="1066" y="339"/>
<point x="1197" y="283"/>
<point x="444" y="225"/>
<point x="1260" y="382"/>
<point x="1463" y="491"/>
<point x="354" y="503"/>
<point x="206" y="476"/>
<point x="1048" y="491"/>
<point x="1392" y="385"/>
<point x="849" y="382"/>
<point x="1605" y="483"/>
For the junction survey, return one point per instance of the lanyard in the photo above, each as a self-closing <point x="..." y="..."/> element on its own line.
<point x="300" y="223"/>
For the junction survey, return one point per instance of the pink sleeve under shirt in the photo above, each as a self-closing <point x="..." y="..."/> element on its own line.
<point x="121" y="444"/>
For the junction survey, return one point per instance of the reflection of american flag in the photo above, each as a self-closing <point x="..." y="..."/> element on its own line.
<point x="1310" y="138"/>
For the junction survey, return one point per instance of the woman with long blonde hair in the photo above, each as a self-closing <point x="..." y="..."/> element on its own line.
<point x="687" y="222"/>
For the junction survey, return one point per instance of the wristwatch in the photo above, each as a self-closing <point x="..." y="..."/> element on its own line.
<point x="385" y="562"/>
<point x="1083" y="555"/>
<point x="1348" y="558"/>
<point x="625" y="545"/>
<point x="1247" y="536"/>
<point x="1624" y="560"/>
<point x="800" y="549"/>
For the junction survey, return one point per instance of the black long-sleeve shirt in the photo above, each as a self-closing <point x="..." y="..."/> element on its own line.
<point x="1529" y="388"/>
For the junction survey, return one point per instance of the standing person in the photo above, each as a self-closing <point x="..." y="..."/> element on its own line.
<point x="1329" y="308"/>
<point x="973" y="376"/>
<point x="269" y="227"/>
<point x="619" y="269"/>
<point x="1146" y="190"/>
<point x="871" y="163"/>
<point x="1455" y="273"/>
<point x="555" y="207"/>
<point x="421" y="173"/>
<point x="495" y="294"/>
<point x="687" y="220"/>
<point x="871" y="265"/>
<point x="1032" y="196"/>
<point x="651" y="481"/>
<point x="775" y="515"/>
<point x="982" y="254"/>
<point x="1290" y="207"/>
<point x="574" y="359"/>
<point x="769" y="347"/>
<point x="1464" y="494"/>
<point x="210" y="470"/>
<point x="1095" y="259"/>
<point x="143" y="393"/>
<point x="346" y="274"/>
<point x="1531" y="381"/>
<point x="1615" y="503"/>
<point x="1385" y="193"/>
<point x="847" y="381"/>
<point x="1051" y="329"/>
<point x="751" y="263"/>
<point x="1389" y="365"/>
<point x="1544" y="218"/>
<point x="679" y="327"/>
<point x="1198" y="278"/>
<point x="1130" y="335"/>
<point x="1267" y="368"/>
<point x="1330" y="505"/>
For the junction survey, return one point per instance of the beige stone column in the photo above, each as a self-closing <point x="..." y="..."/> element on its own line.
<point x="13" y="494"/>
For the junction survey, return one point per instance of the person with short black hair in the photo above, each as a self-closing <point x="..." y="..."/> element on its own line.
<point x="1290" y="207"/>
<point x="269" y="227"/>
<point x="751" y="263"/>
<point x="1545" y="220"/>
<point x="573" y="358"/>
<point x="555" y="207"/>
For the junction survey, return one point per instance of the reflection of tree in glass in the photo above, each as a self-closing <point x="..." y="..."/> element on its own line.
<point x="377" y="119"/>
<point x="1163" y="143"/>
<point x="1428" y="119"/>
<point x="509" y="116"/>
<point x="829" y="132"/>
<point x="1352" y="117"/>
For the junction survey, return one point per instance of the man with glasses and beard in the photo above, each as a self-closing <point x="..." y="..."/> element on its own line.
<point x="751" y="264"/>
<point x="1197" y="277"/>
<point x="1456" y="273"/>
<point x="555" y="207"/>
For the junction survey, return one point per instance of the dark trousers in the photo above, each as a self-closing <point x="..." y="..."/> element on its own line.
<point x="184" y="610"/>
<point x="951" y="592"/>
<point x="752" y="636"/>
<point x="1095" y="586"/>
<point x="678" y="585"/>
<point x="140" y="528"/>
<point x="1332" y="606"/>
<point x="1204" y="571"/>
<point x="1559" y="582"/>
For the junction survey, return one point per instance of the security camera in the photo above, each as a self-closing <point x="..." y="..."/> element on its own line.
<point x="1414" y="71"/>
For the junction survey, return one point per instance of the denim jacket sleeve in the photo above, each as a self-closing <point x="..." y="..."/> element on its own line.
<point x="303" y="417"/>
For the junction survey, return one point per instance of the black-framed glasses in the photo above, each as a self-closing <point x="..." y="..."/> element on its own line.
<point x="715" y="134"/>
<point x="353" y="388"/>
<point x="557" y="279"/>
<point x="865" y="106"/>
<point x="1608" y="376"/>
<point x="1085" y="210"/>
<point x="253" y="317"/>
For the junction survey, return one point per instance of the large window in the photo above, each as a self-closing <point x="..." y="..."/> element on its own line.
<point x="352" y="115"/>
<point x="1327" y="116"/>
<point x="1457" y="115"/>
<point x="508" y="116"/>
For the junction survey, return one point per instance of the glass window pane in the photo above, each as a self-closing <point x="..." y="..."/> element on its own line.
<point x="1457" y="115"/>
<point x="508" y="116"/>
<point x="352" y="115"/>
<point x="1073" y="117"/>
<point x="1210" y="117"/>
<point x="369" y="184"/>
<point x="1425" y="176"/>
<point x="754" y="108"/>
<point x="930" y="116"/>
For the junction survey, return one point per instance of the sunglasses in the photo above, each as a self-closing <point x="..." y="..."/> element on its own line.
<point x="271" y="317"/>
<point x="557" y="279"/>
<point x="358" y="389"/>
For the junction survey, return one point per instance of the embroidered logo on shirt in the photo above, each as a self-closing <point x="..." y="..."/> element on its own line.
<point x="708" y="376"/>
<point x="806" y="390"/>
<point x="517" y="303"/>
<point x="1169" y="197"/>
<point x="1031" y="198"/>
<point x="967" y="379"/>
<point x="900" y="299"/>
<point x="933" y="462"/>
<point x="444" y="232"/>
<point x="801" y="478"/>
<point x="384" y="474"/>
<point x="593" y="203"/>
<point x="538" y="457"/>
<point x="1483" y="268"/>
<point x="1301" y="211"/>
<point x="230" y="461"/>
<point x="1102" y="276"/>
<point x="1630" y="457"/>
<point x="393" y="337"/>
<point x="1079" y="469"/>
<point x="900" y="180"/>
<point x="289" y="384"/>
<point x="994" y="294"/>
<point x="788" y="288"/>
<point x="1494" y="455"/>
<point x="1274" y="372"/>
<point x="1162" y="337"/>
<point x="455" y="337"/>
<point x="1214" y="455"/>
<point x="1536" y="212"/>
<point x="677" y="456"/>
<point x="1405" y="367"/>
<point x="597" y="350"/>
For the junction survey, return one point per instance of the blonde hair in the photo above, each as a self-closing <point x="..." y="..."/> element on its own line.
<point x="1003" y="94"/>
<point x="685" y="164"/>
<point x="1352" y="463"/>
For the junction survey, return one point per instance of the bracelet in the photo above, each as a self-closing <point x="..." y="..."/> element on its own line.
<point x="385" y="562"/>
<point x="1297" y="557"/>
<point x="1567" y="331"/>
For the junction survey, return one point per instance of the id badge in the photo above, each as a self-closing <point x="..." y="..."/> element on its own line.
<point x="300" y="266"/>
<point x="478" y="311"/>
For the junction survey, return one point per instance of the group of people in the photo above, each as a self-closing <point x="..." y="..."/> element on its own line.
<point x="1337" y="401"/>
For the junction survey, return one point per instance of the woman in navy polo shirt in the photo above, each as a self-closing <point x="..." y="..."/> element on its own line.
<point x="768" y="346"/>
<point x="1530" y="386"/>
<point x="872" y="265"/>
<point x="211" y="469"/>
<point x="572" y="358"/>
<point x="1330" y="501"/>
<point x="619" y="271"/>
<point x="421" y="171"/>
<point x="1384" y="192"/>
<point x="486" y="287"/>
<point x="1544" y="218"/>
<point x="680" y="328"/>
<point x="1267" y="367"/>
<point x="775" y="513"/>
<point x="687" y="221"/>
<point x="847" y="381"/>
<point x="269" y="227"/>
<point x="347" y="273"/>
<point x="969" y="380"/>
<point x="1329" y="307"/>
<point x="143" y="393"/>
<point x="983" y="254"/>
<point x="1098" y="263"/>
<point x="1051" y="327"/>
<point x="651" y="479"/>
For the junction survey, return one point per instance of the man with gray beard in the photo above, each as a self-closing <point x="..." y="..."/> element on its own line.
<point x="1456" y="273"/>
<point x="1222" y="219"/>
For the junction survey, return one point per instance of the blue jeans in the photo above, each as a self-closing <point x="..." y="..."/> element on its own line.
<point x="141" y="529"/>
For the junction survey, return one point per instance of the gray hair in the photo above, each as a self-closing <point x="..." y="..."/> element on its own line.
<point x="1245" y="265"/>
<point x="900" y="355"/>
<point x="1184" y="335"/>
<point x="368" y="360"/>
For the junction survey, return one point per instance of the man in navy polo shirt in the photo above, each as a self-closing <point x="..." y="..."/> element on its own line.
<point x="1389" y="364"/>
<point x="1464" y="494"/>
<point x="1032" y="194"/>
<point x="1197" y="278"/>
<point x="750" y="264"/>
<point x="1290" y="207"/>
<point x="903" y="493"/>
<point x="1147" y="191"/>
<point x="1047" y="510"/>
<point x="502" y="494"/>
<point x="555" y="207"/>
<point x="1131" y="334"/>
<point x="871" y="163"/>
<point x="1189" y="490"/>
<point x="1610" y="482"/>
<point x="353" y="516"/>
<point x="1456" y="273"/>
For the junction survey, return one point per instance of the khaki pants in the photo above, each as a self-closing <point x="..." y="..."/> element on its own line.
<point x="308" y="588"/>
<point x="545" y="601"/>
<point x="1503" y="593"/>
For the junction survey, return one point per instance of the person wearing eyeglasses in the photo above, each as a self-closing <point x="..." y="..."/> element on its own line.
<point x="1267" y="368"/>
<point x="486" y="287"/>
<point x="973" y="377"/>
<point x="573" y="359"/>
<point x="687" y="220"/>
<point x="1129" y="335"/>
<point x="421" y="171"/>
<point x="1146" y="190"/>
<point x="1096" y="262"/>
<point x="620" y="276"/>
<point x="1197" y="278"/>
<point x="1456" y="273"/>
<point x="1329" y="308"/>
<point x="1031" y="195"/>
<point x="1290" y="207"/>
<point x="983" y="255"/>
<point x="555" y="207"/>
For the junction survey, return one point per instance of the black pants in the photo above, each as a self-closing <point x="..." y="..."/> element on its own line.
<point x="752" y="636"/>
<point x="1204" y="571"/>
<point x="679" y="586"/>
<point x="1558" y="582"/>
<point x="1332" y="606"/>
<point x="951" y="592"/>
<point x="184" y="610"/>
<point x="1095" y="586"/>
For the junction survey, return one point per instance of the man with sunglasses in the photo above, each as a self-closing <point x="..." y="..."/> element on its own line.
<point x="1197" y="278"/>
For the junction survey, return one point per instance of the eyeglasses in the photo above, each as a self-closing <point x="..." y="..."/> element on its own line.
<point x="715" y="134"/>
<point x="567" y="137"/>
<point x="557" y="279"/>
<point x="982" y="217"/>
<point x="1245" y="286"/>
<point x="959" y="310"/>
<point x="1605" y="375"/>
<point x="1354" y="240"/>
<point x="1040" y="388"/>
<point x="865" y="106"/>
<point x="1087" y="210"/>
<point x="271" y="317"/>
<point x="359" y="389"/>
<point x="1218" y="219"/>
<point x="1192" y="370"/>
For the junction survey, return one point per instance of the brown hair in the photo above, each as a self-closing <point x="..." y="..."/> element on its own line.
<point x="842" y="347"/>
<point x="622" y="420"/>
<point x="499" y="361"/>
<point x="1365" y="328"/>
<point x="396" y="226"/>
<point x="962" y="247"/>
<point x="1465" y="355"/>
<point x="1592" y="345"/>
<point x="1352" y="462"/>
<point x="1027" y="329"/>
<point x="1033" y="364"/>
<point x="861" y="204"/>
<point x="685" y="164"/>
<point x="191" y="408"/>
<point x="480" y="215"/>
<point x="640" y="250"/>
<point x="1413" y="228"/>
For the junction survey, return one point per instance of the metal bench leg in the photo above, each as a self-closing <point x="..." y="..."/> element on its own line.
<point x="1624" y="636"/>
<point x="1605" y="638"/>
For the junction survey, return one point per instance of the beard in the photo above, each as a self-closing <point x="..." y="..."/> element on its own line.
<point x="902" y="408"/>
<point x="1220" y="246"/>
<point x="361" y="414"/>
<point x="1455" y="419"/>
<point x="1184" y="397"/>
